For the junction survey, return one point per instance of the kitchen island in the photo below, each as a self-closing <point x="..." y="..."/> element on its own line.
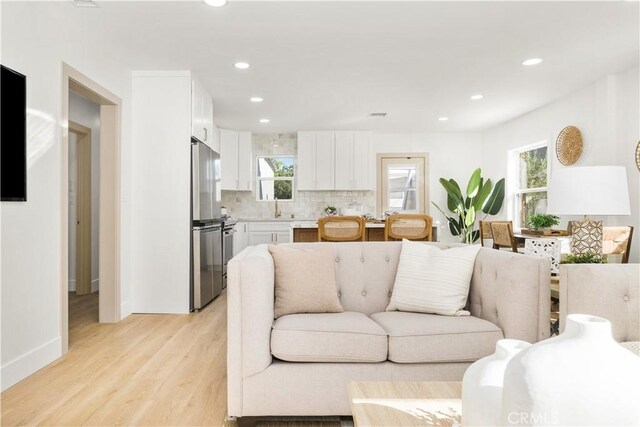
<point x="307" y="231"/>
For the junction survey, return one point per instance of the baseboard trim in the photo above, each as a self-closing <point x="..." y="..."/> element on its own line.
<point x="30" y="362"/>
<point x="95" y="285"/>
<point x="125" y="309"/>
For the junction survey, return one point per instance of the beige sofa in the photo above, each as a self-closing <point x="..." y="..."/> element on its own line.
<point x="301" y="363"/>
<point x="611" y="291"/>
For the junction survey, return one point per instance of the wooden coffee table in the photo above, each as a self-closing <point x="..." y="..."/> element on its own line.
<point x="389" y="403"/>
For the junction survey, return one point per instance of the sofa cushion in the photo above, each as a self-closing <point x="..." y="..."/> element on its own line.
<point x="305" y="280"/>
<point x="328" y="337"/>
<point x="427" y="338"/>
<point x="432" y="280"/>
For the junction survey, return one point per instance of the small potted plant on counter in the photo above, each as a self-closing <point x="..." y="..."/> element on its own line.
<point x="330" y="210"/>
<point x="543" y="221"/>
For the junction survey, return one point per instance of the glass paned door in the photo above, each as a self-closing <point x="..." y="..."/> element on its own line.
<point x="403" y="184"/>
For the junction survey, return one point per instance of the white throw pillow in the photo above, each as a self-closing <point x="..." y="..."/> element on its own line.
<point x="433" y="280"/>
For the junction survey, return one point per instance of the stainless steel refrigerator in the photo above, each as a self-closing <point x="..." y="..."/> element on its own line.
<point x="207" y="252"/>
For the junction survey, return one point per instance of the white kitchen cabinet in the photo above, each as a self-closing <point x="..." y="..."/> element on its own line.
<point x="240" y="238"/>
<point x="236" y="160"/>
<point x="316" y="156"/>
<point x="363" y="162"/>
<point x="344" y="161"/>
<point x="202" y="126"/>
<point x="334" y="161"/>
<point x="271" y="233"/>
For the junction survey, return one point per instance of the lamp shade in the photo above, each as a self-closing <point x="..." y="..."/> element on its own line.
<point x="590" y="190"/>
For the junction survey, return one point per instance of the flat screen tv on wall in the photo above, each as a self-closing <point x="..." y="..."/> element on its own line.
<point x="13" y="135"/>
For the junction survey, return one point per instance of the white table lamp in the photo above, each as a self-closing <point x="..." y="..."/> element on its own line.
<point x="589" y="190"/>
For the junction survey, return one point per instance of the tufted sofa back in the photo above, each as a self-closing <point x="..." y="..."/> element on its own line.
<point x="365" y="272"/>
<point x="611" y="291"/>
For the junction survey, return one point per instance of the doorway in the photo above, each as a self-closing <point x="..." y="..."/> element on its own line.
<point x="402" y="184"/>
<point x="108" y="196"/>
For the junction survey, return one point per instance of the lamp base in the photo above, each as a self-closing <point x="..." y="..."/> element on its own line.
<point x="586" y="237"/>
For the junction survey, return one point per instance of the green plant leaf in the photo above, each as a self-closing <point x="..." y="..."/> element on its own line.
<point x="470" y="217"/>
<point x="453" y="193"/>
<point x="482" y="195"/>
<point x="474" y="183"/>
<point x="475" y="235"/>
<point x="494" y="203"/>
<point x="454" y="227"/>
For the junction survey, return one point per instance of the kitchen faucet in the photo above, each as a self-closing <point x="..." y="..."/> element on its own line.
<point x="278" y="213"/>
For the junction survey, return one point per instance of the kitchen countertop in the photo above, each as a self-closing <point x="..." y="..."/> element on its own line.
<point x="272" y="219"/>
<point x="314" y="224"/>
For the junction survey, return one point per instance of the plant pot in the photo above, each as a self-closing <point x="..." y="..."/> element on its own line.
<point x="482" y="385"/>
<point x="582" y="377"/>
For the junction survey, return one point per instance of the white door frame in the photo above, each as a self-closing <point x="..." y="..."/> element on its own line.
<point x="109" y="212"/>
<point x="379" y="175"/>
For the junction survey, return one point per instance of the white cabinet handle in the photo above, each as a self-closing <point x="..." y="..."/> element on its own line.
<point x="206" y="134"/>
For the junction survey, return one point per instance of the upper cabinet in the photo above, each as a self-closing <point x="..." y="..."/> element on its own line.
<point x="235" y="160"/>
<point x="334" y="161"/>
<point x="202" y="126"/>
<point x="316" y="152"/>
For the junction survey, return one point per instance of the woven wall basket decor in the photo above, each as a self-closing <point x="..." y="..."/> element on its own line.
<point x="569" y="145"/>
<point x="638" y="156"/>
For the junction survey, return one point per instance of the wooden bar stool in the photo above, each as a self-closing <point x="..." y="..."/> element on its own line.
<point x="341" y="229"/>
<point x="408" y="226"/>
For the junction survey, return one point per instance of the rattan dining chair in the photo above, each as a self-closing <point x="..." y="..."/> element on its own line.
<point x="485" y="230"/>
<point x="341" y="229"/>
<point x="408" y="226"/>
<point x="616" y="243"/>
<point x="503" y="237"/>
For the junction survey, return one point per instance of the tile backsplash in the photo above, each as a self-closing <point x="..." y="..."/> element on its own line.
<point x="305" y="204"/>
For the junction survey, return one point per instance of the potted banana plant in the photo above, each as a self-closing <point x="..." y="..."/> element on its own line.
<point x="480" y="197"/>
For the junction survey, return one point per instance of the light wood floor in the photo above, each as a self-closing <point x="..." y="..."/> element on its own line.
<point x="148" y="370"/>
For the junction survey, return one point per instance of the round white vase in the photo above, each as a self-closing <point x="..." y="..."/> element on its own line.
<point x="582" y="377"/>
<point x="482" y="385"/>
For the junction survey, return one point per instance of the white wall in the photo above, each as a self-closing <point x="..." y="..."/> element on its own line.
<point x="450" y="156"/>
<point x="607" y="114"/>
<point x="36" y="38"/>
<point x="161" y="215"/>
<point x="86" y="113"/>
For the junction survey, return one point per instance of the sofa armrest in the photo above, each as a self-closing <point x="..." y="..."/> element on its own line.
<point x="250" y="294"/>
<point x="512" y="291"/>
<point x="604" y="290"/>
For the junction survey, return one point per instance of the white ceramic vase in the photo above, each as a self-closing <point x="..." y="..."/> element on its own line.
<point x="582" y="377"/>
<point x="482" y="385"/>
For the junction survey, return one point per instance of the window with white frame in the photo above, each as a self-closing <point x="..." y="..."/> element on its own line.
<point x="274" y="177"/>
<point x="531" y="172"/>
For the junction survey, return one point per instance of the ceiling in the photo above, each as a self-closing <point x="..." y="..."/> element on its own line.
<point x="328" y="65"/>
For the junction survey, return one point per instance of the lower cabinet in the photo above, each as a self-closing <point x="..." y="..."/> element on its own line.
<point x="271" y="233"/>
<point x="241" y="237"/>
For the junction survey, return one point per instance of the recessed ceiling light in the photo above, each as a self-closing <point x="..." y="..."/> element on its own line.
<point x="378" y="115"/>
<point x="256" y="99"/>
<point x="241" y="65"/>
<point x="264" y="120"/>
<point x="443" y="119"/>
<point x="216" y="3"/>
<point x="476" y="97"/>
<point x="84" y="3"/>
<point x="532" y="61"/>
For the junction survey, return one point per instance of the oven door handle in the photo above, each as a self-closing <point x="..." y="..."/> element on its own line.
<point x="229" y="232"/>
